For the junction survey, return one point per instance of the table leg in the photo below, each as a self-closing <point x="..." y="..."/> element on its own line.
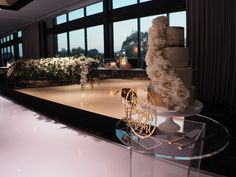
<point x="130" y="163"/>
<point x="194" y="168"/>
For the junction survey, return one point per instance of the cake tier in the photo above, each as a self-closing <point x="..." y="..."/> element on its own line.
<point x="185" y="74"/>
<point x="175" y="36"/>
<point x="178" y="56"/>
<point x="156" y="98"/>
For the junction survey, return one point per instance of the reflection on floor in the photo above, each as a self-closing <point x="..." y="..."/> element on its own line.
<point x="32" y="145"/>
<point x="104" y="99"/>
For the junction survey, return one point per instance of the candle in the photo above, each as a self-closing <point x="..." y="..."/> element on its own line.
<point x="113" y="65"/>
<point x="123" y="62"/>
<point x="8" y="64"/>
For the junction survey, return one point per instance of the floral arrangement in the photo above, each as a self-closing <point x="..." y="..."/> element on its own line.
<point x="68" y="69"/>
<point x="161" y="71"/>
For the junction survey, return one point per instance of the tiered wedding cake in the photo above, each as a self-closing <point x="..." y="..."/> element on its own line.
<point x="167" y="66"/>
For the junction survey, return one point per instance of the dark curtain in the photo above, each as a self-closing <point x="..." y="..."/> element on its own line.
<point x="31" y="45"/>
<point x="212" y="45"/>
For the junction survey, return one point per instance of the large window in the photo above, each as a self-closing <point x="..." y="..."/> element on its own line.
<point x="19" y="33"/>
<point x="11" y="47"/>
<point x="62" y="47"/>
<point x="144" y="1"/>
<point x="145" y="24"/>
<point x="125" y="29"/>
<point x="94" y="8"/>
<point x="76" y="14"/>
<point x="79" y="13"/>
<point x="1" y="57"/>
<point x="12" y="51"/>
<point x="95" y="40"/>
<point x="126" y="38"/>
<point x="178" y="19"/>
<point x="122" y="3"/>
<point x="9" y="52"/>
<point x="77" y="42"/>
<point x="20" y="50"/>
<point x="61" y="19"/>
<point x="5" y="53"/>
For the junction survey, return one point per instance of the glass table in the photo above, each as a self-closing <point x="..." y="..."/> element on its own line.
<point x="199" y="137"/>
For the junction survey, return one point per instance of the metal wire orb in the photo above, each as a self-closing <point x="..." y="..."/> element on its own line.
<point x="140" y="112"/>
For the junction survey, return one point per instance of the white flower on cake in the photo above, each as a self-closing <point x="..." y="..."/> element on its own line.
<point x="165" y="83"/>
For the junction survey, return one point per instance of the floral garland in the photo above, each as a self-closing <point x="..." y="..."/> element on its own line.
<point x="68" y="69"/>
<point x="84" y="70"/>
<point x="161" y="71"/>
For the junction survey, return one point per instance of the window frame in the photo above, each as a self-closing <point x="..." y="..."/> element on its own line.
<point x="12" y="43"/>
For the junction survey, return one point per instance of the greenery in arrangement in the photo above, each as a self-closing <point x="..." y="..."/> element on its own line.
<point x="68" y="69"/>
<point x="80" y="51"/>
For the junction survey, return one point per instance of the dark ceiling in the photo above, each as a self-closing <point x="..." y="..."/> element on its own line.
<point x="14" y="4"/>
<point x="11" y="20"/>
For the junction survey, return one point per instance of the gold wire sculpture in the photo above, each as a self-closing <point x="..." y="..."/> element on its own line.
<point x="140" y="112"/>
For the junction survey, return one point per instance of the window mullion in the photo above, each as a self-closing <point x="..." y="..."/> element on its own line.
<point x="85" y="42"/>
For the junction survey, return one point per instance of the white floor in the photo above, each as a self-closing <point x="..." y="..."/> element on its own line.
<point x="34" y="146"/>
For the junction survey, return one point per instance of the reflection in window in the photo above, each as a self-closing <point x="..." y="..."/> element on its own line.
<point x="8" y="38"/>
<point x="145" y="24"/>
<point x="77" y="45"/>
<point x="178" y="19"/>
<point x="76" y="14"/>
<point x="61" y="19"/>
<point x="11" y="36"/>
<point x="20" y="50"/>
<point x="126" y="38"/>
<point x="122" y="3"/>
<point x="95" y="41"/>
<point x="94" y="8"/>
<point x="62" y="46"/>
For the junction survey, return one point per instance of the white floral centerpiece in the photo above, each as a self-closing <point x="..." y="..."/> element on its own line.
<point x="67" y="69"/>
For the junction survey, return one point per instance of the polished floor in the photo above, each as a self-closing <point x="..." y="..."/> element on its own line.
<point x="31" y="145"/>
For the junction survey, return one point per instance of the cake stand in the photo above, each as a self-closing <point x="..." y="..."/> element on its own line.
<point x="169" y="126"/>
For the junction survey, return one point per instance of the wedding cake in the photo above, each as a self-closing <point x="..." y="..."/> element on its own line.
<point x="167" y="66"/>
